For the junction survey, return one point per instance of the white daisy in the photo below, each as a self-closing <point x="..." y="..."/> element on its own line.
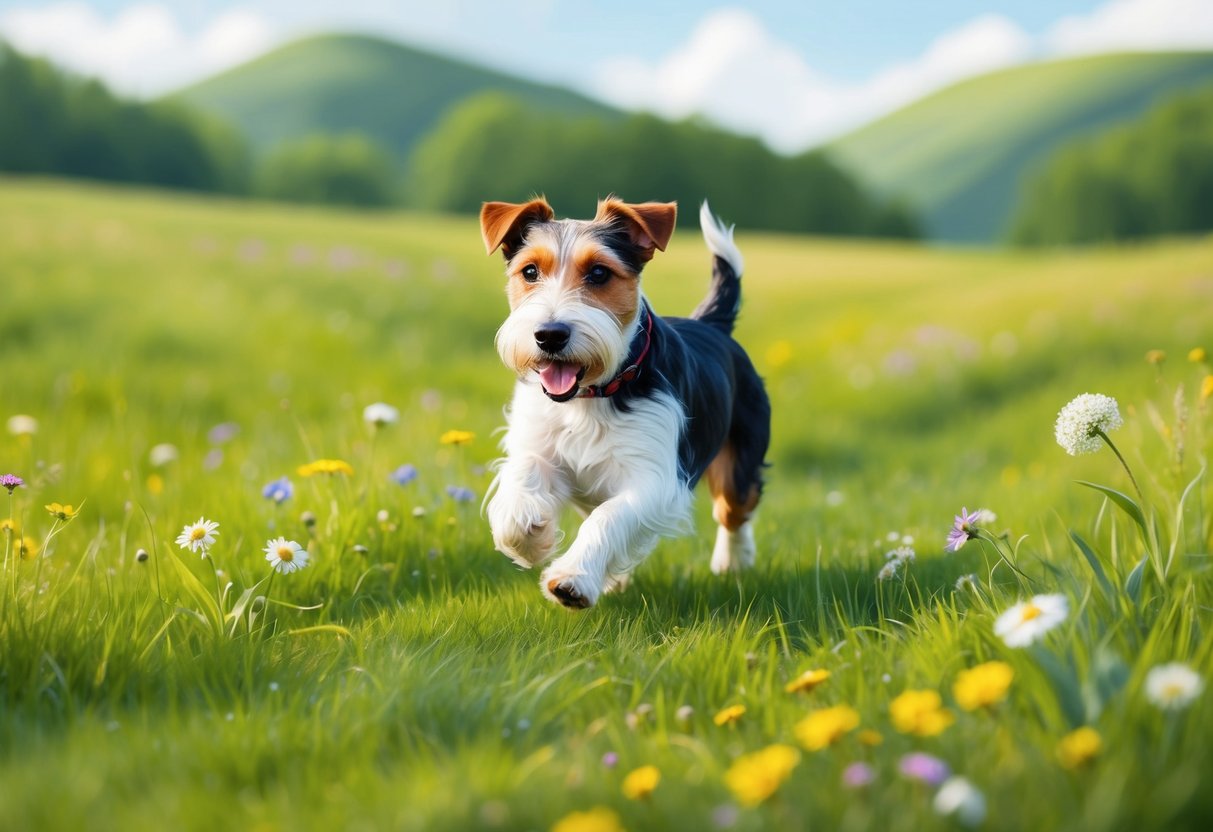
<point x="162" y="454"/>
<point x="1173" y="686"/>
<point x="1027" y="621"/>
<point x="959" y="798"/>
<point x="380" y="415"/>
<point x="22" y="425"/>
<point x="1081" y="421"/>
<point x="285" y="555"/>
<point x="198" y="536"/>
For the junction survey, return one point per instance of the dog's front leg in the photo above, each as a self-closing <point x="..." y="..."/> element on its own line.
<point x="524" y="510"/>
<point x="616" y="536"/>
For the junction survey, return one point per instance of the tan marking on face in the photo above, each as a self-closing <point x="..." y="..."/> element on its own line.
<point x="729" y="508"/>
<point x="518" y="286"/>
<point x="619" y="295"/>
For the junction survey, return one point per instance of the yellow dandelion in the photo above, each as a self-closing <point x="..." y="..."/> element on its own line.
<point x="326" y="466"/>
<point x="806" y="681"/>
<point x="870" y="738"/>
<point x="61" y="512"/>
<point x="826" y="726"/>
<point x="1206" y="388"/>
<point x="641" y="783"/>
<point x="920" y="712"/>
<point x="729" y="715"/>
<point x="598" y="819"/>
<point x="779" y="354"/>
<point x="25" y="548"/>
<point x="1079" y="747"/>
<point x="1197" y="355"/>
<point x="155" y="484"/>
<point x="754" y="777"/>
<point x="983" y="685"/>
<point x="8" y="525"/>
<point x="456" y="437"/>
<point x="1156" y="357"/>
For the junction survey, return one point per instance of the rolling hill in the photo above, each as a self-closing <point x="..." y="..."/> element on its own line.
<point x="342" y="83"/>
<point x="959" y="155"/>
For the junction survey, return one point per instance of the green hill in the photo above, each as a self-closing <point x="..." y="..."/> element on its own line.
<point x="959" y="155"/>
<point x="341" y="83"/>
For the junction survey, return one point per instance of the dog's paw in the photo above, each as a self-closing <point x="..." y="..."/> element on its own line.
<point x="734" y="551"/>
<point x="525" y="543"/>
<point x="577" y="592"/>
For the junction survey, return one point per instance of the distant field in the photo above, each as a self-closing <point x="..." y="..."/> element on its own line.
<point x="965" y="179"/>
<point x="428" y="685"/>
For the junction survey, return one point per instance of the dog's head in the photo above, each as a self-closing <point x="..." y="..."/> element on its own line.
<point x="574" y="286"/>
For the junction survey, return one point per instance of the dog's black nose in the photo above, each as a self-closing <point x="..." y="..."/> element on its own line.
<point x="552" y="337"/>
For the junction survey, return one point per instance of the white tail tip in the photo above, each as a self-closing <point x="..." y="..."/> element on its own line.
<point x="720" y="239"/>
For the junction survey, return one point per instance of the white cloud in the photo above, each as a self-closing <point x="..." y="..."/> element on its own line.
<point x="1134" y="25"/>
<point x="142" y="50"/>
<point x="733" y="70"/>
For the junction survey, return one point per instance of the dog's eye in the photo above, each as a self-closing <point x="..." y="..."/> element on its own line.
<point x="530" y="273"/>
<point x="598" y="275"/>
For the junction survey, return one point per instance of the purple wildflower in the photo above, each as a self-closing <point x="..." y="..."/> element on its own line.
<point x="460" y="494"/>
<point x="964" y="529"/>
<point x="924" y="768"/>
<point x="11" y="482"/>
<point x="403" y="475"/>
<point x="610" y="759"/>
<point x="280" y="490"/>
<point x="222" y="433"/>
<point x="857" y="775"/>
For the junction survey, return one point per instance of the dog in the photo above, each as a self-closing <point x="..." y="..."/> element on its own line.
<point x="618" y="411"/>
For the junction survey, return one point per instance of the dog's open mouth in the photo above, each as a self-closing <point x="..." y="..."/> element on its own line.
<point x="560" y="379"/>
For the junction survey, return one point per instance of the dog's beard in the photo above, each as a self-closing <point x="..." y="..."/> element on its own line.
<point x="596" y="350"/>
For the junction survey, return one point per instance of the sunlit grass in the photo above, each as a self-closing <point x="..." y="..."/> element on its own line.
<point x="409" y="677"/>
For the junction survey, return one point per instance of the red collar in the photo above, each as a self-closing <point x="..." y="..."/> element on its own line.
<point x="602" y="391"/>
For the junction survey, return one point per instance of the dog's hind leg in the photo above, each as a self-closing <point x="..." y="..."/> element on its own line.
<point x="735" y="475"/>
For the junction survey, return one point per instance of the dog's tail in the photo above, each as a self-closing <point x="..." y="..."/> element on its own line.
<point x="723" y="301"/>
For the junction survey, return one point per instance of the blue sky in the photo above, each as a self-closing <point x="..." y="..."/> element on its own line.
<point x="795" y="73"/>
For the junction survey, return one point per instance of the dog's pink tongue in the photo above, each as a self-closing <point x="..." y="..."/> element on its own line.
<point x="559" y="377"/>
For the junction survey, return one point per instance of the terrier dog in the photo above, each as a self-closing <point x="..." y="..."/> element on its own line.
<point x="617" y="411"/>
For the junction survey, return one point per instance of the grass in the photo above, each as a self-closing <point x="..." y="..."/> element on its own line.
<point x="424" y="683"/>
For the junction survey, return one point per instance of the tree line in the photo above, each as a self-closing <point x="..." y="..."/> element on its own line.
<point x="1150" y="177"/>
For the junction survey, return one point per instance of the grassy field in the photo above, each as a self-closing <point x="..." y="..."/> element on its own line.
<point x="412" y="678"/>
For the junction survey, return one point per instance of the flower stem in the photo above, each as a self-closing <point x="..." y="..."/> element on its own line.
<point x="1123" y="464"/>
<point x="986" y="537"/>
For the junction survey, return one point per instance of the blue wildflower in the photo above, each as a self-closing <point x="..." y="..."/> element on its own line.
<point x="403" y="475"/>
<point x="460" y="494"/>
<point x="280" y="490"/>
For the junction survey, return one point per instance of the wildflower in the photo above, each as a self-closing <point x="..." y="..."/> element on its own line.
<point x="1155" y="357"/>
<point x="326" y="466"/>
<point x="1173" y="686"/>
<point x="1206" y="388"/>
<point x="460" y="494"/>
<point x="983" y="685"/>
<point x="222" y="433"/>
<point x="141" y="555"/>
<point x="870" y="738"/>
<point x="920" y="712"/>
<point x="985" y="517"/>
<point x="1026" y="622"/>
<point x="12" y="482"/>
<point x="807" y="681"/>
<point x="162" y="454"/>
<point x="858" y="775"/>
<point x="213" y="459"/>
<point x="826" y="726"/>
<point x="456" y="437"/>
<point x="964" y="529"/>
<point x="25" y="548"/>
<point x="1197" y="355"/>
<point x="610" y="759"/>
<point x="641" y="782"/>
<point x="155" y="484"/>
<point x="966" y="582"/>
<point x="8" y="525"/>
<point x="280" y="490"/>
<point x="925" y="768"/>
<point x="380" y="415"/>
<point x="729" y="715"/>
<point x="403" y="475"/>
<point x="308" y="519"/>
<point x="905" y="554"/>
<point x="1079" y="747"/>
<point x="284" y="555"/>
<point x="198" y="536"/>
<point x="419" y="512"/>
<point x="61" y="512"/>
<point x="598" y="819"/>
<point x="959" y="798"/>
<point x="22" y="425"/>
<point x="684" y="714"/>
<point x="889" y="571"/>
<point x="1081" y="422"/>
<point x="779" y="354"/>
<point x="754" y="777"/>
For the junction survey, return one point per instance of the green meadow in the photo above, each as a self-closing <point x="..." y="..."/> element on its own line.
<point x="412" y="678"/>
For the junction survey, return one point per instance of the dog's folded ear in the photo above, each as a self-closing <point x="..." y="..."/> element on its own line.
<point x="504" y="224"/>
<point x="650" y="224"/>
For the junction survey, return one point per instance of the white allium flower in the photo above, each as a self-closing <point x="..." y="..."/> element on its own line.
<point x="902" y="554"/>
<point x="1079" y="423"/>
<point x="889" y="571"/>
<point x="162" y="454"/>
<point x="959" y="798"/>
<point x="1026" y="622"/>
<point x="380" y="415"/>
<point x="1173" y="686"/>
<point x="22" y="425"/>
<point x="198" y="536"/>
<point x="284" y="555"/>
